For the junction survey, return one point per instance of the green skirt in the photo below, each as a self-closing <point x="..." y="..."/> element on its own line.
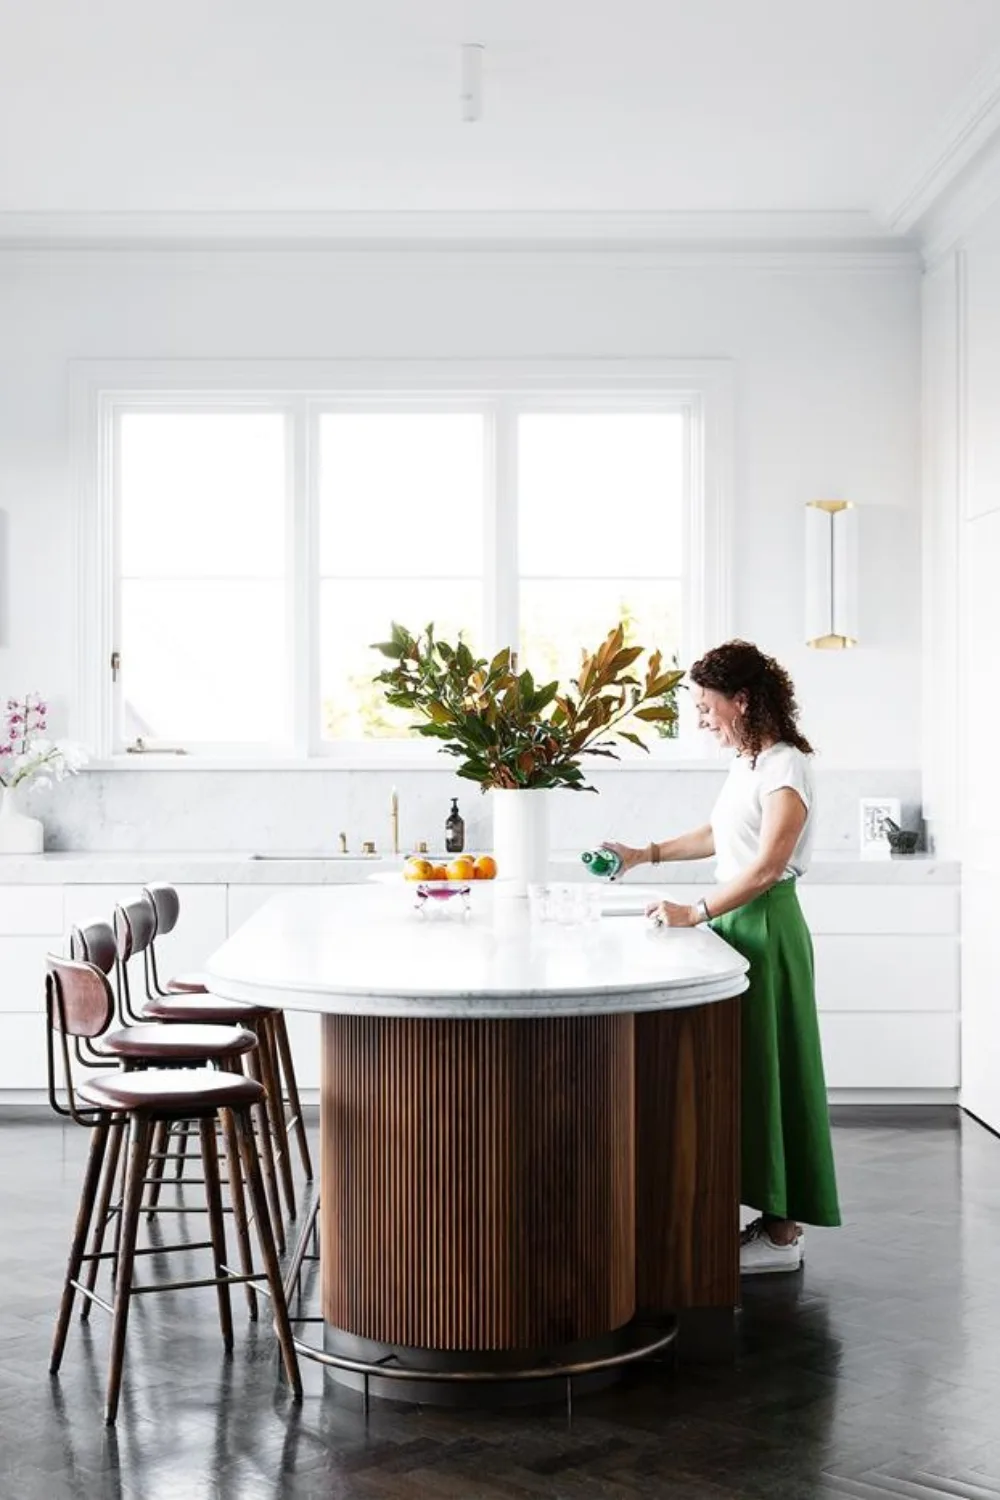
<point x="787" y="1154"/>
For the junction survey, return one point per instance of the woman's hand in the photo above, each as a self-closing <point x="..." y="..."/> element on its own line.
<point x="671" y="914"/>
<point x="629" y="857"/>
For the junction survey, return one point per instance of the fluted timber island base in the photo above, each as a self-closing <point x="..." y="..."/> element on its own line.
<point x="496" y="1192"/>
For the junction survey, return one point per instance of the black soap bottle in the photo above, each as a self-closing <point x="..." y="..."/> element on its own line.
<point x="454" y="830"/>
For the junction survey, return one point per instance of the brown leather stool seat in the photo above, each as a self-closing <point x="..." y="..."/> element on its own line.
<point x="204" y="1009"/>
<point x="189" y="1095"/>
<point x="164" y="1045"/>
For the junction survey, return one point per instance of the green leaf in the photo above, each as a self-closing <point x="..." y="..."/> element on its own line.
<point x="542" y="697"/>
<point x="469" y="771"/>
<point x="656" y="715"/>
<point x="436" y="731"/>
<point x="634" y="739"/>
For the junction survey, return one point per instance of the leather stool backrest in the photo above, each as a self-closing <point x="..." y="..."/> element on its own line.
<point x="134" y="927"/>
<point x="166" y="905"/>
<point x="80" y="999"/>
<point x="94" y="944"/>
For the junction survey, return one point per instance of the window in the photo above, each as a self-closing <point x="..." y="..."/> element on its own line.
<point x="600" y="505"/>
<point x="244" y="541"/>
<point x="201" y="596"/>
<point x="400" y="537"/>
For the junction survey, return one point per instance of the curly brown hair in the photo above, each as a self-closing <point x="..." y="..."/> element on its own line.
<point x="739" y="667"/>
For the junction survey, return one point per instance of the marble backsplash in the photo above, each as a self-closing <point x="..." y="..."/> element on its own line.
<point x="304" y="811"/>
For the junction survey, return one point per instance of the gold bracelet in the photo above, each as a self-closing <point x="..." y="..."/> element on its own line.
<point x="654" y="854"/>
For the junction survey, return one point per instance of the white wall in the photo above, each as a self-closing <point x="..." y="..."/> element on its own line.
<point x="827" y="397"/>
<point x="962" y="401"/>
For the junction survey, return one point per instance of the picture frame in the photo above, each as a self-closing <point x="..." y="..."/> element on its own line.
<point x="873" y="812"/>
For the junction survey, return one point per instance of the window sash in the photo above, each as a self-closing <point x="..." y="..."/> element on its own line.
<point x="502" y="393"/>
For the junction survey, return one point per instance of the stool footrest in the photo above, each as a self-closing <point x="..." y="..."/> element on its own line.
<point x="180" y="1286"/>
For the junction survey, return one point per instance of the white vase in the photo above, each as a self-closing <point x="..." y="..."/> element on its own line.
<point x="18" y="834"/>
<point x="520" y="837"/>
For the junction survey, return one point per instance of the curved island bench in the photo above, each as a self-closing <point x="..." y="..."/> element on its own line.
<point x="529" y="1133"/>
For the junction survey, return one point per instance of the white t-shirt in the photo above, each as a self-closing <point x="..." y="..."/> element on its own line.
<point x="739" y="811"/>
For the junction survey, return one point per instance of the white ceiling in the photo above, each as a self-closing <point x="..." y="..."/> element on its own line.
<point x="594" y="105"/>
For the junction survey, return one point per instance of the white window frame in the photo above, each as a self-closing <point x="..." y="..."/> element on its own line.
<point x="303" y="390"/>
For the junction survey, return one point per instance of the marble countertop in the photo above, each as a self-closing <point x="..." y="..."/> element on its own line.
<point x="367" y="951"/>
<point x="81" y="867"/>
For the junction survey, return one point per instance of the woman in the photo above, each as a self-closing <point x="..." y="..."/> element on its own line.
<point x="761" y="834"/>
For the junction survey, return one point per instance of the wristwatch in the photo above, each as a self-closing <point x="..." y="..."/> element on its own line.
<point x="701" y="907"/>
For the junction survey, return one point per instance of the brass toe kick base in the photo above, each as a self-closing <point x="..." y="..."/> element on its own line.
<point x="507" y="1378"/>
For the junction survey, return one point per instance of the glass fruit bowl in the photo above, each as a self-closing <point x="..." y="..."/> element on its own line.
<point x="441" y="890"/>
<point x="432" y="890"/>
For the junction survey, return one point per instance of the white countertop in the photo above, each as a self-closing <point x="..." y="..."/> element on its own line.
<point x="368" y="952"/>
<point x="81" y="867"/>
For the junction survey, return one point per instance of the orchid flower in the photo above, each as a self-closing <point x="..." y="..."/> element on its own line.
<point x="26" y="755"/>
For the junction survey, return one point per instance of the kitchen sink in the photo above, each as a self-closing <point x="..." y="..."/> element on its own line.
<point x="296" y="858"/>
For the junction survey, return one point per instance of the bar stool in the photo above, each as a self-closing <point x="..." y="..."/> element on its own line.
<point x="166" y="905"/>
<point x="134" y="925"/>
<point x="80" y="1004"/>
<point x="148" y="1045"/>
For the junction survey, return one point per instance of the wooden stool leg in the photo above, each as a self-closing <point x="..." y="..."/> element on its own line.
<point x="184" y="1135"/>
<point x="239" y="1202"/>
<point x="293" y="1275"/>
<point x="217" y="1227"/>
<point x="276" y="1112"/>
<point x="91" y="1179"/>
<point x="161" y="1144"/>
<point x="118" y="1127"/>
<point x="267" y="1152"/>
<point x="140" y="1136"/>
<point x="120" y="1202"/>
<point x="265" y="1238"/>
<point x="291" y="1084"/>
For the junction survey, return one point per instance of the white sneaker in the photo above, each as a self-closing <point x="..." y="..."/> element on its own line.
<point x="759" y="1255"/>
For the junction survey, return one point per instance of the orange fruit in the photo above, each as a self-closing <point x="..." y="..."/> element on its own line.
<point x="438" y="872"/>
<point x="485" y="867"/>
<point x="418" y="869"/>
<point x="462" y="869"/>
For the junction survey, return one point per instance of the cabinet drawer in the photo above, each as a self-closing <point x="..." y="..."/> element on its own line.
<point x="841" y="909"/>
<point x="22" y="1051"/>
<point x="31" y="908"/>
<point x="22" y="971"/>
<point x="303" y="1036"/>
<point x="890" y="1051"/>
<point x="887" y="973"/>
<point x="884" y="909"/>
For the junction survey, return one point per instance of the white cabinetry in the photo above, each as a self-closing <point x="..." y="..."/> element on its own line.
<point x="30" y="927"/>
<point x="303" y="1026"/>
<point x="887" y="975"/>
<point x="887" y="984"/>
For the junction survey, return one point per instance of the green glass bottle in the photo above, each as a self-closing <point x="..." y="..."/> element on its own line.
<point x="602" y="862"/>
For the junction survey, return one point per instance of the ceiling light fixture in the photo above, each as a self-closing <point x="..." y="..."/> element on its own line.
<point x="472" y="81"/>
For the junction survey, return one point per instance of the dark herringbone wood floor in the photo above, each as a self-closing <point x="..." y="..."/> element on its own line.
<point x="874" y="1374"/>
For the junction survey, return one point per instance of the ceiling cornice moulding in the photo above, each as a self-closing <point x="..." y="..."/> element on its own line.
<point x="796" y="233"/>
<point x="954" y="218"/>
<point x="966" y="130"/>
